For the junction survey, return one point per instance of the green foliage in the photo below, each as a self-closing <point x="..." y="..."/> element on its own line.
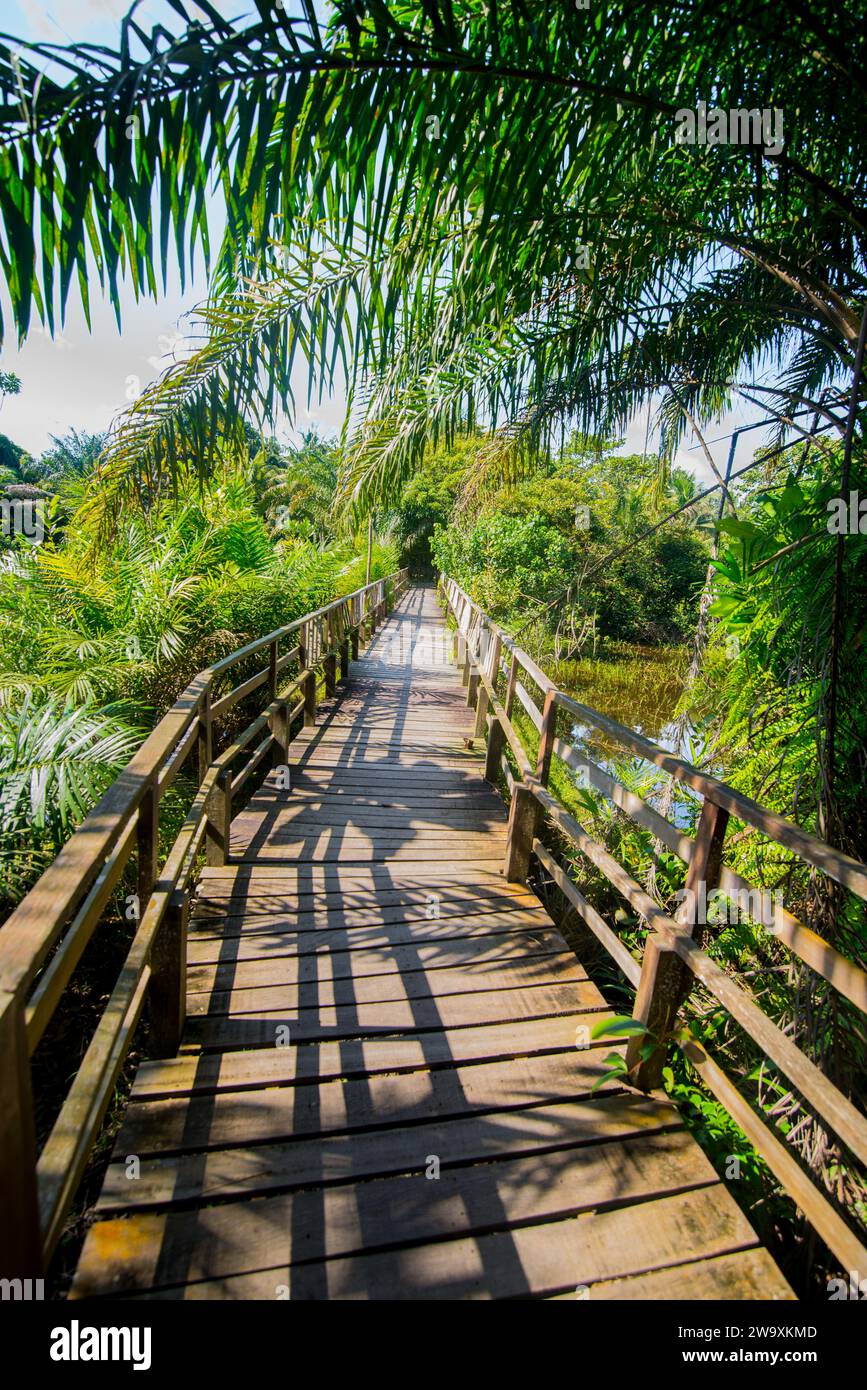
<point x="70" y="459"/>
<point x="774" y="608"/>
<point x="135" y="619"/>
<point x="574" y="527"/>
<point x="615" y="1062"/>
<point x="15" y="463"/>
<point x="428" y="499"/>
<point x="299" y="487"/>
<point x="446" y="270"/>
<point x="98" y="638"/>
<point x="440" y="274"/>
<point x="508" y="561"/>
<point x="55" y="761"/>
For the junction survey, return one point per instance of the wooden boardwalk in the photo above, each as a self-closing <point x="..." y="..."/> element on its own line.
<point x="379" y="1093"/>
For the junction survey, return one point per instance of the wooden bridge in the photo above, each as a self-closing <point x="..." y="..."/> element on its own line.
<point x="375" y="1067"/>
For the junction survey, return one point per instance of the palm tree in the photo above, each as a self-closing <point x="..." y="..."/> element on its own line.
<point x="481" y="211"/>
<point x="69" y="459"/>
<point x="55" y="762"/>
<point x="135" y="617"/>
<point x="300" y="487"/>
<point x="483" y="214"/>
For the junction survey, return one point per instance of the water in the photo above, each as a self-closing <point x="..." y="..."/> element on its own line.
<point x="641" y="688"/>
<point x="638" y="686"/>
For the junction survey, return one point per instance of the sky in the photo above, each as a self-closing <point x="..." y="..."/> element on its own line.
<point x="81" y="378"/>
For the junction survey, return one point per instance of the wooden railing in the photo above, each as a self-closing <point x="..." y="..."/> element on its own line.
<point x="497" y="673"/>
<point x="44" y="939"/>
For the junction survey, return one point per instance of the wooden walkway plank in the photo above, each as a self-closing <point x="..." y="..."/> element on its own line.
<point x="387" y="1086"/>
<point x="211" y="1072"/>
<point x="277" y="1113"/>
<point x="334" y="961"/>
<point x="340" y="1158"/>
<point x="154" y="1249"/>
<point x="262" y="1027"/>
<point x="523" y="1261"/>
<point x="268" y="938"/>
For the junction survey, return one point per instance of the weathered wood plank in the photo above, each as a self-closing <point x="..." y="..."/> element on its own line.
<point x="375" y="881"/>
<point x="301" y="819"/>
<point x="286" y="1066"/>
<point x="373" y="1153"/>
<point x="293" y="851"/>
<point x="165" y="1248"/>
<point x="353" y="1020"/>
<point x="524" y="1261"/>
<point x="348" y="878"/>
<point x="748" y="1274"/>
<point x="324" y="991"/>
<point x="335" y="961"/>
<point x="246" y="936"/>
<point x="279" y="1113"/>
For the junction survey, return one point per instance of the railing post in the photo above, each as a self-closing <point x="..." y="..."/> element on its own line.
<point x="148" y="842"/>
<point x="204" y="740"/>
<point x="705" y="864"/>
<point x="472" y="682"/>
<point x="308" y="685"/>
<point x="21" y="1242"/>
<point x="468" y="654"/>
<point x="657" y="1001"/>
<point x="330" y="662"/>
<point x="523" y="813"/>
<point x="213" y="831"/>
<point x="354" y="621"/>
<point x="484" y="700"/>
<point x="310" y="699"/>
<point x="494" y="752"/>
<point x="467" y="676"/>
<point x="665" y="979"/>
<point x="272" y="670"/>
<point x="219" y="814"/>
<point x="460" y="646"/>
<point x="278" y="722"/>
<point x="345" y="623"/>
<point x="547" y="735"/>
<point x="168" y="986"/>
<point x="509" y="702"/>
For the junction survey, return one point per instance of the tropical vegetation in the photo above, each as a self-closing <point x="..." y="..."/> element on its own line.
<point x="479" y="221"/>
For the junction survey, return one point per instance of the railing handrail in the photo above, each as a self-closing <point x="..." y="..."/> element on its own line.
<point x="661" y="978"/>
<point x="848" y="871"/>
<point x="64" y="906"/>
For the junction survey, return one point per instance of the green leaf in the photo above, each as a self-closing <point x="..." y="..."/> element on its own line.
<point x="622" y="1025"/>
